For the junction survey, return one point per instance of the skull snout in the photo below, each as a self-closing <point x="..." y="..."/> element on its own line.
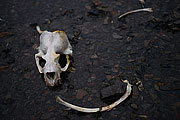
<point x="52" y="78"/>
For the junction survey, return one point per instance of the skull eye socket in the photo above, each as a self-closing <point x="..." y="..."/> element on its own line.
<point x="42" y="62"/>
<point x="62" y="60"/>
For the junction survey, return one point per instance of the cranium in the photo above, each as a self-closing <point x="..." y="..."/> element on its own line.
<point x="52" y="44"/>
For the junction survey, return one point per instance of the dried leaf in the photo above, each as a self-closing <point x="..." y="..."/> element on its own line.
<point x="4" y="34"/>
<point x="27" y="75"/>
<point x="4" y="68"/>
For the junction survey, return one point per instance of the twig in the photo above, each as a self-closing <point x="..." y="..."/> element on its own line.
<point x="134" y="11"/>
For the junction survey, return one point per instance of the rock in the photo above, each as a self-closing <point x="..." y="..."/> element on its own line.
<point x="156" y="87"/>
<point x="51" y="108"/>
<point x="117" y="89"/>
<point x="143" y="116"/>
<point x="148" y="75"/>
<point x="81" y="93"/>
<point x="94" y="56"/>
<point x="4" y="34"/>
<point x="134" y="106"/>
<point x="177" y="56"/>
<point x="88" y="7"/>
<point x="27" y="75"/>
<point x="35" y="46"/>
<point x="94" y="91"/>
<point x="153" y="95"/>
<point x="93" y="13"/>
<point x="4" y="68"/>
<point x="76" y="32"/>
<point x="65" y="113"/>
<point x="104" y="8"/>
<point x="70" y="86"/>
<point x="146" y="43"/>
<point x="7" y="99"/>
<point x="93" y="77"/>
<point x="97" y="2"/>
<point x="89" y="99"/>
<point x="106" y="20"/>
<point x="108" y="77"/>
<point x="46" y="116"/>
<point x="116" y="36"/>
<point x="116" y="68"/>
<point x="147" y="106"/>
<point x="131" y="60"/>
<point x="129" y="48"/>
<point x="135" y="92"/>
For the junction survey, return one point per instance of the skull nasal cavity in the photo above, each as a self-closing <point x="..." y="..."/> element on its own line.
<point x="50" y="75"/>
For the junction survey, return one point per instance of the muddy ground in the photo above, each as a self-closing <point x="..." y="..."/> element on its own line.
<point x="139" y="47"/>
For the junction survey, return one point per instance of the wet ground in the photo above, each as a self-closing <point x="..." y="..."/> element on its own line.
<point x="139" y="47"/>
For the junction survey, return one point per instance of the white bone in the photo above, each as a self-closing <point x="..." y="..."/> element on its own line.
<point x="37" y="61"/>
<point x="92" y="110"/>
<point x="39" y="30"/>
<point x="52" y="44"/>
<point x="134" y="11"/>
<point x="142" y="1"/>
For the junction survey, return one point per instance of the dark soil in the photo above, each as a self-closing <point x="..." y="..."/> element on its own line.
<point x="139" y="47"/>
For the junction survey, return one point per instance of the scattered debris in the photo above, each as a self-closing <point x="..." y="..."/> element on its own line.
<point x="134" y="11"/>
<point x="140" y="85"/>
<point x="101" y="109"/>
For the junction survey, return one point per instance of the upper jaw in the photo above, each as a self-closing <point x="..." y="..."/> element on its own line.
<point x="52" y="81"/>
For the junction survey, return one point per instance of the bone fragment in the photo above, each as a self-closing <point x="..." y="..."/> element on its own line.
<point x="134" y="11"/>
<point x="39" y="30"/>
<point x="140" y="85"/>
<point x="37" y="61"/>
<point x="142" y="2"/>
<point x="101" y="109"/>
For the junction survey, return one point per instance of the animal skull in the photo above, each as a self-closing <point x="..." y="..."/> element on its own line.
<point x="52" y="44"/>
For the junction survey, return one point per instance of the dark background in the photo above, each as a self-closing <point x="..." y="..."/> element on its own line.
<point x="140" y="47"/>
